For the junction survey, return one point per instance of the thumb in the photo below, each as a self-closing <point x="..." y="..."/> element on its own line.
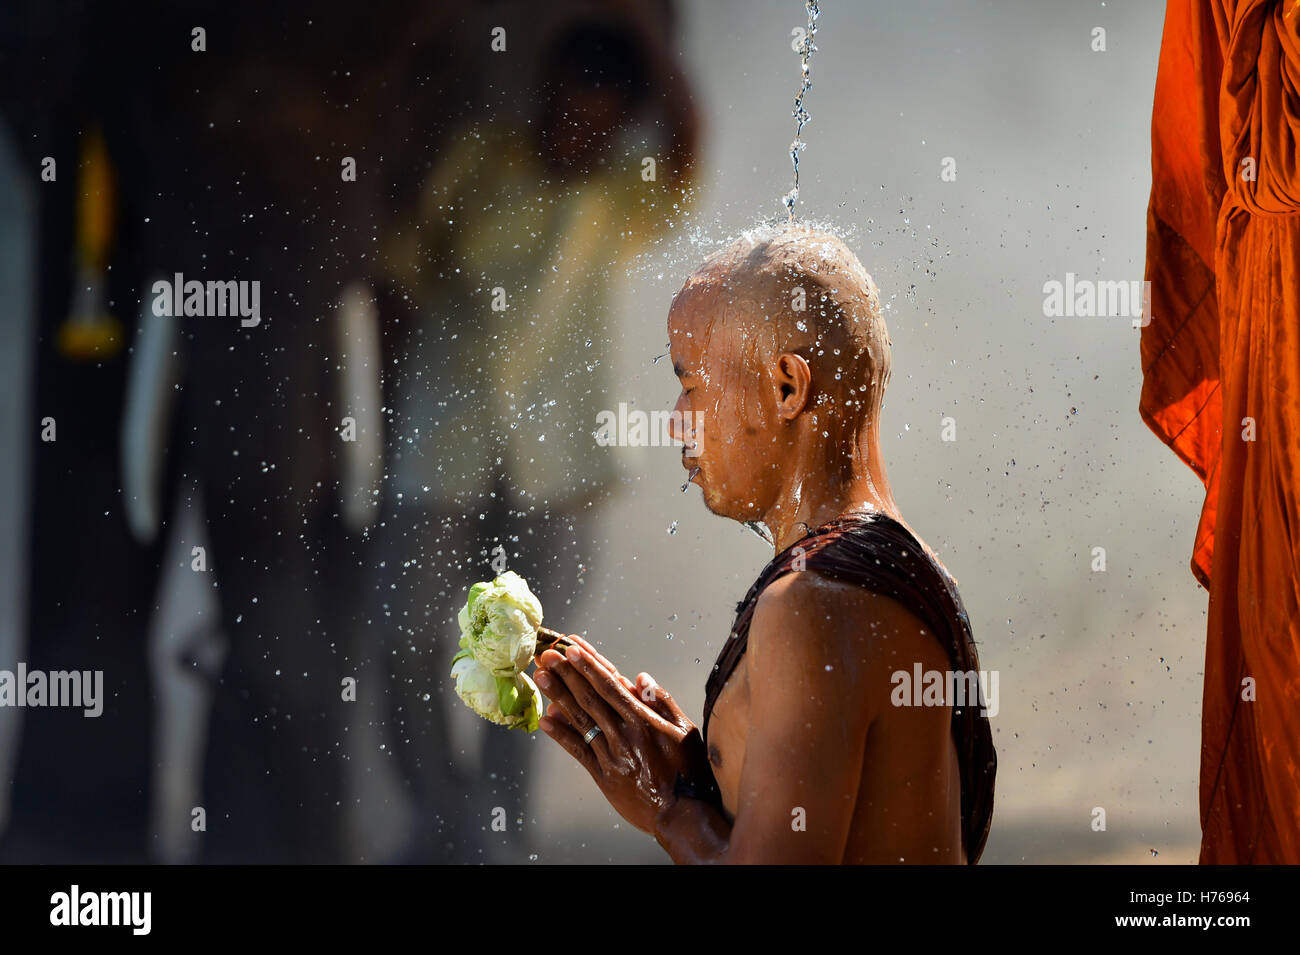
<point x="661" y="701"/>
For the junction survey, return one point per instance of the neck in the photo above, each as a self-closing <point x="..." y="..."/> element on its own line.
<point x="811" y="496"/>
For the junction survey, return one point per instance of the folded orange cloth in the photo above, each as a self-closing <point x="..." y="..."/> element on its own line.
<point x="1221" y="387"/>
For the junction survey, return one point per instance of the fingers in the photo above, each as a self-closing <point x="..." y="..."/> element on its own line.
<point x="623" y="701"/>
<point x="584" y="645"/>
<point x="646" y="692"/>
<point x="599" y="745"/>
<point x="554" y="712"/>
<point x="549" y="660"/>
<point x="652" y="695"/>
<point x="581" y="704"/>
<point x="578" y="641"/>
<point x="661" y="701"/>
<point x="601" y="682"/>
<point x="570" y="740"/>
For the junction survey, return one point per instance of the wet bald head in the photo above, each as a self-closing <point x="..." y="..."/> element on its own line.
<point x="791" y="288"/>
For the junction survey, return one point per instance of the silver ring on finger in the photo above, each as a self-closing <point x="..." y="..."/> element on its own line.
<point x="591" y="734"/>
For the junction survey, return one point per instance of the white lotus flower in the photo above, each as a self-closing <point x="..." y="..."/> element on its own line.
<point x="507" y="701"/>
<point x="500" y="630"/>
<point x="499" y="622"/>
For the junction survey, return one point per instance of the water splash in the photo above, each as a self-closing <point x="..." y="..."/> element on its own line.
<point x="760" y="531"/>
<point x="689" y="478"/>
<point x="806" y="49"/>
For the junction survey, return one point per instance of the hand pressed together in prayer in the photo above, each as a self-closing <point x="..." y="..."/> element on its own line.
<point x="645" y="741"/>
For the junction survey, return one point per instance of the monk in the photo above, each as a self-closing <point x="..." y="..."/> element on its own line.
<point x="1221" y="366"/>
<point x="809" y="751"/>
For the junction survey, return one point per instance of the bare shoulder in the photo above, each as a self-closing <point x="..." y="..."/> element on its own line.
<point x="826" y="608"/>
<point x="805" y="615"/>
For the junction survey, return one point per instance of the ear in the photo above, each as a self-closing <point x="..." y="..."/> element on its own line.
<point x="793" y="380"/>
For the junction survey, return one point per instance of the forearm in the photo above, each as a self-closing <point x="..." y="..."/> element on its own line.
<point x="693" y="832"/>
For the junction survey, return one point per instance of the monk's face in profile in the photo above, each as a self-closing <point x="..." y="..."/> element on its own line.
<point x="782" y="355"/>
<point x="726" y="415"/>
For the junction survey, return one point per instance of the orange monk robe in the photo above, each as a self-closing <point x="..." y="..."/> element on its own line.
<point x="1221" y="366"/>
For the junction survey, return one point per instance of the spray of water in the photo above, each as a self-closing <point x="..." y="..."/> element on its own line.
<point x="806" y="49"/>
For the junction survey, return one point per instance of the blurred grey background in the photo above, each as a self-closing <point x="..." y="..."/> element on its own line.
<point x="1100" y="673"/>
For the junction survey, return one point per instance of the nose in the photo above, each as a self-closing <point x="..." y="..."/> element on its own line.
<point x="676" y="420"/>
<point x="683" y="426"/>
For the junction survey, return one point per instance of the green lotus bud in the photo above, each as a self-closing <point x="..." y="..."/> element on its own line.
<point x="507" y="701"/>
<point x="498" y="624"/>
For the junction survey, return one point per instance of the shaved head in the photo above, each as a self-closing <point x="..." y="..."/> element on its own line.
<point x="779" y="340"/>
<point x="792" y="288"/>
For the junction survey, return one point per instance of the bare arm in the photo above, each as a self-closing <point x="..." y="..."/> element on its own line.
<point x="809" y="720"/>
<point x="820" y="658"/>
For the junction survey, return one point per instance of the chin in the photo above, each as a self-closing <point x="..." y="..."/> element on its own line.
<point x="714" y="506"/>
<point x="719" y="505"/>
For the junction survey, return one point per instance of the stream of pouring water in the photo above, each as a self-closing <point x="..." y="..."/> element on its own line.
<point x="806" y="49"/>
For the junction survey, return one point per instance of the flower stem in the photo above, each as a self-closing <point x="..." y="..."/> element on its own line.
<point x="550" y="639"/>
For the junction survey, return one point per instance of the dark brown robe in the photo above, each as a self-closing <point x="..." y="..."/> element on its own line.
<point x="876" y="552"/>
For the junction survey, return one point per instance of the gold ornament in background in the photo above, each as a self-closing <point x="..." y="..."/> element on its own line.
<point x="90" y="332"/>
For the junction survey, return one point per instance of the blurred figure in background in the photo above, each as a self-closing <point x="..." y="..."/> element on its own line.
<point x="214" y="142"/>
<point x="499" y="353"/>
